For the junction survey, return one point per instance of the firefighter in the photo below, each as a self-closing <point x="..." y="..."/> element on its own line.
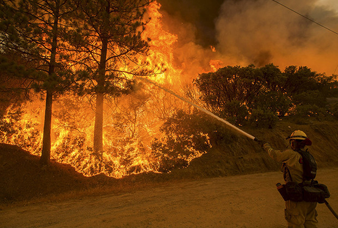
<point x="297" y="214"/>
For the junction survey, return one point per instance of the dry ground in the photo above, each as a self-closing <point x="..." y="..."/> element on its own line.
<point x="237" y="201"/>
<point x="230" y="186"/>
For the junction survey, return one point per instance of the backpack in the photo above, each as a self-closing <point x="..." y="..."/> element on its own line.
<point x="313" y="192"/>
<point x="309" y="165"/>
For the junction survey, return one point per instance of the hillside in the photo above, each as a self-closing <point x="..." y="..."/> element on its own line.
<point x="23" y="180"/>
<point x="244" y="156"/>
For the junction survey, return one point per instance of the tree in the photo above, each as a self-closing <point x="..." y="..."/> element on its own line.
<point x="13" y="90"/>
<point x="273" y="78"/>
<point x="186" y="136"/>
<point x="235" y="87"/>
<point x="299" y="79"/>
<point x="275" y="101"/>
<point x="107" y="38"/>
<point x="34" y="30"/>
<point x="259" y="95"/>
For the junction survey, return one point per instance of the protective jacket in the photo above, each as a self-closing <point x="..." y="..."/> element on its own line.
<point x="292" y="168"/>
<point x="297" y="214"/>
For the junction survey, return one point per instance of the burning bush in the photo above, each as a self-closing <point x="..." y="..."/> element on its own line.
<point x="21" y="129"/>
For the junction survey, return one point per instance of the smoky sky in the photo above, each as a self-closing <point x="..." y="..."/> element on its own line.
<point x="200" y="13"/>
<point x="255" y="32"/>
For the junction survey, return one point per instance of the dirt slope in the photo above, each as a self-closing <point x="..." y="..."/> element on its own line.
<point x="243" y="156"/>
<point x="22" y="179"/>
<point x="237" y="201"/>
<point x="211" y="192"/>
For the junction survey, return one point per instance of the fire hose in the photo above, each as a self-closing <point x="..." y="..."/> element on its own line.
<point x="200" y="108"/>
<point x="330" y="208"/>
<point x="220" y="119"/>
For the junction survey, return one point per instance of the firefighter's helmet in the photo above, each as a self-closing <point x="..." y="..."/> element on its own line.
<point x="297" y="135"/>
<point x="300" y="135"/>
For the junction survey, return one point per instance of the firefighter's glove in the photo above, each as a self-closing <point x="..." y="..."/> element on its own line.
<point x="260" y="142"/>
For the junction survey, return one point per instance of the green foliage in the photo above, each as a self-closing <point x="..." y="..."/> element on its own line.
<point x="244" y="95"/>
<point x="252" y="95"/>
<point x="187" y="136"/>
<point x="310" y="103"/>
<point x="310" y="97"/>
<point x="273" y="78"/>
<point x="53" y="38"/>
<point x="228" y="84"/>
<point x="106" y="38"/>
<point x="300" y="79"/>
<point x="33" y="33"/>
<point x="263" y="118"/>
<point x="310" y="110"/>
<point x="181" y="140"/>
<point x="236" y="112"/>
<point x="274" y="101"/>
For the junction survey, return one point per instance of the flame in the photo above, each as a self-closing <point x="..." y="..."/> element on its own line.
<point x="160" y="46"/>
<point x="215" y="64"/>
<point x="130" y="123"/>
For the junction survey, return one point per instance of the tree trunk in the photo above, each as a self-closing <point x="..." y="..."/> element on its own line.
<point x="98" y="129"/>
<point x="46" y="142"/>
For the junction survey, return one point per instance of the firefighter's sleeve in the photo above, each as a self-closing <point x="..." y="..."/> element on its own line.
<point x="276" y="155"/>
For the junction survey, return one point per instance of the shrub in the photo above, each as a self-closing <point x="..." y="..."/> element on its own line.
<point x="188" y="136"/>
<point x="263" y="118"/>
<point x="334" y="110"/>
<point x="235" y="112"/>
<point x="308" y="110"/>
<point x="313" y="97"/>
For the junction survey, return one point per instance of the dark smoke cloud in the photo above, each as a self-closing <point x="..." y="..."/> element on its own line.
<point x="200" y="13"/>
<point x="252" y="32"/>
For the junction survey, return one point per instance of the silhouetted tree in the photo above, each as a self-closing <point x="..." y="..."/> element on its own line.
<point x="299" y="79"/>
<point x="229" y="84"/>
<point x="107" y="39"/>
<point x="259" y="95"/>
<point x="34" y="30"/>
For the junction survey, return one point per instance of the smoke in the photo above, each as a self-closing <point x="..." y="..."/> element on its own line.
<point x="193" y="21"/>
<point x="255" y="32"/>
<point x="329" y="4"/>
<point x="262" y="32"/>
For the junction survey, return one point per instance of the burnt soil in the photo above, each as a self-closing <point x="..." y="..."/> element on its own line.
<point x="23" y="180"/>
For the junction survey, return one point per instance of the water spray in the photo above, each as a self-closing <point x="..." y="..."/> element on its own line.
<point x="200" y="108"/>
<point x="218" y="118"/>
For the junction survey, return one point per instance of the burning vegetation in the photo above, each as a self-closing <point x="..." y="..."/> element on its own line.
<point x="100" y="118"/>
<point x="132" y="112"/>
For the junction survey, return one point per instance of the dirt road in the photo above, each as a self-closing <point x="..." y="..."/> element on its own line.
<point x="237" y="201"/>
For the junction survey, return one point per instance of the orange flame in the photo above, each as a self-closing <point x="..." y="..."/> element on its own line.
<point x="130" y="123"/>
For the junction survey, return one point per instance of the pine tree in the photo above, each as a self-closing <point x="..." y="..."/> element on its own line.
<point x="35" y="30"/>
<point x="108" y="41"/>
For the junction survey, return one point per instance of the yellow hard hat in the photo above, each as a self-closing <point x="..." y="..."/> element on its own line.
<point x="297" y="135"/>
